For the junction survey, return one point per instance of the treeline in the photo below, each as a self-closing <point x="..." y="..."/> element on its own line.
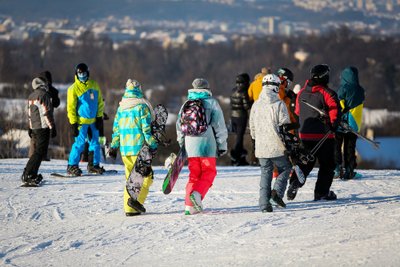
<point x="175" y="67"/>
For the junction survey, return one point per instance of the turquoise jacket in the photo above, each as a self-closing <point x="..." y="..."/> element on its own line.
<point x="132" y="124"/>
<point x="215" y="138"/>
<point x="84" y="102"/>
<point x="351" y="96"/>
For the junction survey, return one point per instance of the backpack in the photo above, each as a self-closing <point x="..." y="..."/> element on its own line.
<point x="193" y="118"/>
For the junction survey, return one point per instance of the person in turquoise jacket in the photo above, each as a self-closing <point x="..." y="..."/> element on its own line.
<point x="202" y="150"/>
<point x="351" y="96"/>
<point x="85" y="108"/>
<point x="131" y="130"/>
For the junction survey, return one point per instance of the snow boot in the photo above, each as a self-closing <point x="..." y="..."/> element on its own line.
<point x="130" y="214"/>
<point x="267" y="208"/>
<point x="31" y="179"/>
<point x="348" y="174"/>
<point x="338" y="172"/>
<point x="95" y="169"/>
<point x="190" y="210"/>
<point x="330" y="196"/>
<point x="133" y="203"/>
<point x="74" y="170"/>
<point x="195" y="198"/>
<point x="278" y="200"/>
<point x="292" y="190"/>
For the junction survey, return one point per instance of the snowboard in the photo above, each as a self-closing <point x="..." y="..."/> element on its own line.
<point x="65" y="175"/>
<point x="142" y="167"/>
<point x="174" y="166"/>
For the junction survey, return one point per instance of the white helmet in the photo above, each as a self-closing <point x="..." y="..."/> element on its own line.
<point x="271" y="81"/>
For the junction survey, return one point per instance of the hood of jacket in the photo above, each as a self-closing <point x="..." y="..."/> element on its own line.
<point x="39" y="83"/>
<point x="199" y="94"/>
<point x="134" y="97"/>
<point x="267" y="95"/>
<point x="350" y="90"/>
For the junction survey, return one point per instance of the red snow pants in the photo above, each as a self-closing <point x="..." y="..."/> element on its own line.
<point x="202" y="172"/>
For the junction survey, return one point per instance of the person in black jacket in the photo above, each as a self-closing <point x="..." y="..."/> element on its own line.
<point x="55" y="101"/>
<point x="240" y="106"/>
<point x="313" y="128"/>
<point x="41" y="128"/>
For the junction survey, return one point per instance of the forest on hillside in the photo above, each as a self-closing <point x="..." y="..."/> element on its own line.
<point x="175" y="67"/>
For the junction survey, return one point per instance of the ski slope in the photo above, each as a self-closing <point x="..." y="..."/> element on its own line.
<point x="80" y="222"/>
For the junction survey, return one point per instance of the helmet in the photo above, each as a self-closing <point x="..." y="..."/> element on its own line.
<point x="320" y="74"/>
<point x="82" y="72"/>
<point x="286" y="74"/>
<point x="272" y="81"/>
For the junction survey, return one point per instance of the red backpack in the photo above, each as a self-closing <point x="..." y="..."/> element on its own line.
<point x="193" y="118"/>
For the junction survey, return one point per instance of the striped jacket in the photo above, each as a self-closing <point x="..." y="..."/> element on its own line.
<point x="40" y="109"/>
<point x="132" y="124"/>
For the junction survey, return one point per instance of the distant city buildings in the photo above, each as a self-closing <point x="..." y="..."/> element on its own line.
<point x="179" y="31"/>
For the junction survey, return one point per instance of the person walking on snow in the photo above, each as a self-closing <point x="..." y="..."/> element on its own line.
<point x="55" y="101"/>
<point x="41" y="128"/>
<point x="240" y="106"/>
<point x="351" y="97"/>
<point x="267" y="115"/>
<point x="203" y="149"/>
<point x="131" y="130"/>
<point x="313" y="128"/>
<point x="85" y="110"/>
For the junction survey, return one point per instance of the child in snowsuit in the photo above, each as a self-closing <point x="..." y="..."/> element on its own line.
<point x="351" y="96"/>
<point x="202" y="150"/>
<point x="131" y="130"/>
<point x="267" y="115"/>
<point x="41" y="127"/>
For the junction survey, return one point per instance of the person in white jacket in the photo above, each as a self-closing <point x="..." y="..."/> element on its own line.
<point x="267" y="114"/>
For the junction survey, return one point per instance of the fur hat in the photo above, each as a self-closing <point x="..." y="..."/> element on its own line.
<point x="200" y="83"/>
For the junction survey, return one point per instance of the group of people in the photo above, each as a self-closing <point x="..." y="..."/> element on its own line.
<point x="274" y="105"/>
<point x="266" y="104"/>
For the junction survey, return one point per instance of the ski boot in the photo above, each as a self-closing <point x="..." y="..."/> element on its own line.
<point x="278" y="200"/>
<point x="96" y="169"/>
<point x="74" y="170"/>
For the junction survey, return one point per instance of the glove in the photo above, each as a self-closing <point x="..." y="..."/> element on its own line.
<point x="30" y="133"/>
<point x="99" y="125"/>
<point x="53" y="132"/>
<point x="75" y="130"/>
<point x="221" y="153"/>
<point x="334" y="126"/>
<point x="113" y="152"/>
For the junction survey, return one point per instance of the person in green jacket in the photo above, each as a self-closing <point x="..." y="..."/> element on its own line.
<point x="351" y="96"/>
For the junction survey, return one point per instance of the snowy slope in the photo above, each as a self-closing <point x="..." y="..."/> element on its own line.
<point x="80" y="222"/>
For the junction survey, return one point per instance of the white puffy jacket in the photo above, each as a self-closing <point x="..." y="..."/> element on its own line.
<point x="267" y="114"/>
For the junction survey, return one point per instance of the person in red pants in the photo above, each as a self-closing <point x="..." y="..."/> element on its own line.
<point x="201" y="129"/>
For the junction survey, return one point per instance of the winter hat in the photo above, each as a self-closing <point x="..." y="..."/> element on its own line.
<point x="200" y="83"/>
<point x="46" y="76"/>
<point x="243" y="78"/>
<point x="38" y="82"/>
<point x="320" y="74"/>
<point x="131" y="84"/>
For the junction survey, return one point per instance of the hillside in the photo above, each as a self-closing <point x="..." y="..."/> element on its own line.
<point x="80" y="222"/>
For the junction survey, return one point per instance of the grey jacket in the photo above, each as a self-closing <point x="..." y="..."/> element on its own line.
<point x="40" y="108"/>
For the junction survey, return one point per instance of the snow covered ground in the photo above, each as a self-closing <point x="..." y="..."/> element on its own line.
<point x="80" y="222"/>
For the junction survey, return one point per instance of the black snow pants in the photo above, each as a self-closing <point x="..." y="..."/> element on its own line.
<point x="41" y="139"/>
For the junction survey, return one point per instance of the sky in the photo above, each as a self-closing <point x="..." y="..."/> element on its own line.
<point x="80" y="222"/>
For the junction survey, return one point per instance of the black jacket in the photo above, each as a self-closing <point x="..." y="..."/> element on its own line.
<point x="240" y="102"/>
